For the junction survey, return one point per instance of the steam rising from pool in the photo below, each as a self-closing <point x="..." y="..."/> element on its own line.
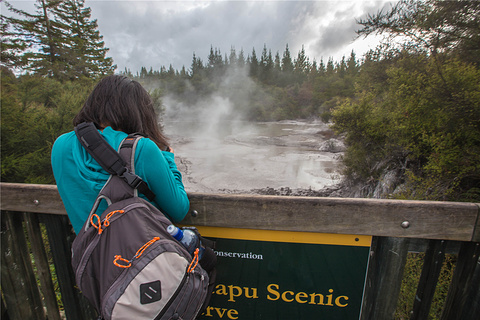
<point x="217" y="151"/>
<point x="233" y="155"/>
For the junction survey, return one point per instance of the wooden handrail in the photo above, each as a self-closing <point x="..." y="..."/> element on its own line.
<point x="391" y="218"/>
<point x="392" y="223"/>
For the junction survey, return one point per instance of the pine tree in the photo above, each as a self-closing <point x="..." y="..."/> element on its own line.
<point x="11" y="47"/>
<point x="215" y="59"/>
<point x="302" y="65"/>
<point x="352" y="67"/>
<point x="171" y="72"/>
<point x="85" y="52"/>
<point x="241" y="59"/>
<point x="41" y="38"/>
<point x="277" y="62"/>
<point x="314" y="68"/>
<point x="432" y="26"/>
<point x="264" y="57"/>
<point x="197" y="66"/>
<point x="266" y="65"/>
<point x="143" y="72"/>
<point x="212" y="57"/>
<point x="233" y="56"/>
<point x="287" y="65"/>
<point x="183" y="73"/>
<point x="341" y="68"/>
<point x="58" y="40"/>
<point x="253" y="64"/>
<point x="127" y="72"/>
<point x="321" y="67"/>
<point x="330" y="70"/>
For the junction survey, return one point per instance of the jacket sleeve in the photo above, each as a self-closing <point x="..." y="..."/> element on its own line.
<point x="158" y="169"/>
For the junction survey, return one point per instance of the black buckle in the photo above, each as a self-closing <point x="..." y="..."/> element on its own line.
<point x="132" y="179"/>
<point x="136" y="182"/>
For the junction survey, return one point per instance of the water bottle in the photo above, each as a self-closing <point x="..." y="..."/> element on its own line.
<point x="188" y="238"/>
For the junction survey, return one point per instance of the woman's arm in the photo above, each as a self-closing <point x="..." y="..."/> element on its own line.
<point x="158" y="169"/>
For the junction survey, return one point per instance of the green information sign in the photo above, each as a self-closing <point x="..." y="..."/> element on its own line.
<point x="287" y="275"/>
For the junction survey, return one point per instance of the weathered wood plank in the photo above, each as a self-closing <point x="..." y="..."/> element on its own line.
<point x="426" y="219"/>
<point x="43" y="269"/>
<point x="17" y="272"/>
<point x="35" y="198"/>
<point x="462" y="299"/>
<point x="3" y="312"/>
<point x="432" y="265"/>
<point x="476" y="233"/>
<point x="13" y="275"/>
<point x="384" y="277"/>
<point x="59" y="235"/>
<point x="472" y="301"/>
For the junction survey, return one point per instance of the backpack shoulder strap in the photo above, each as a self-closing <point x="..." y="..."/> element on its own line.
<point x="109" y="159"/>
<point x="127" y="152"/>
<point x="99" y="149"/>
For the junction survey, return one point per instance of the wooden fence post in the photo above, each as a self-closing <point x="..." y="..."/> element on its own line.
<point x="43" y="269"/>
<point x="59" y="232"/>
<point x="471" y="308"/>
<point x="19" y="284"/>
<point x="463" y="299"/>
<point x="384" y="277"/>
<point x="3" y="313"/>
<point x="432" y="265"/>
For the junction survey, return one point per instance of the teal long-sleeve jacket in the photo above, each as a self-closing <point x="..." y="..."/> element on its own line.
<point x="80" y="178"/>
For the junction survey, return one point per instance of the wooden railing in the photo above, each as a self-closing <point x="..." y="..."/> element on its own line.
<point x="30" y="211"/>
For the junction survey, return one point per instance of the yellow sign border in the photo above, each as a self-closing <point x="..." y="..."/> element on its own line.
<point x="286" y="236"/>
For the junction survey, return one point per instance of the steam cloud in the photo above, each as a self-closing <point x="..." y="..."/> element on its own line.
<point x="207" y="117"/>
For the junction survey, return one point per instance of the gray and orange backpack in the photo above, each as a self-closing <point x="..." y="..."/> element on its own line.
<point x="125" y="262"/>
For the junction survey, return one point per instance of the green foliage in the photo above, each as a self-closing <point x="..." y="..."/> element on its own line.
<point x="429" y="26"/>
<point x="418" y="111"/>
<point x="425" y="119"/>
<point x="443" y="125"/>
<point x="35" y="111"/>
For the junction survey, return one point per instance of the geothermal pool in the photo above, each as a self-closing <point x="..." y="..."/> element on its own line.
<point x="238" y="156"/>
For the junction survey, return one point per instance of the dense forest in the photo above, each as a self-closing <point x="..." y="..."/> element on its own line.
<point x="410" y="108"/>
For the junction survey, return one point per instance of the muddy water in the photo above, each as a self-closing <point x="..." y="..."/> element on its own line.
<point x="235" y="156"/>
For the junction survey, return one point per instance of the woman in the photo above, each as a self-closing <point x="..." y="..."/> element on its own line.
<point x="117" y="106"/>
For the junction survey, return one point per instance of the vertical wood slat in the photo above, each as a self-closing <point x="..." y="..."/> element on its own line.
<point x="43" y="269"/>
<point x="3" y="308"/>
<point x="384" y="277"/>
<point x="12" y="275"/>
<point x="432" y="265"/>
<point x="22" y="296"/>
<point x="463" y="299"/>
<point x="472" y="301"/>
<point x="59" y="235"/>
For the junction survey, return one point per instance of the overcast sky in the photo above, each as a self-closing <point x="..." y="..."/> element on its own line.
<point x="158" y="33"/>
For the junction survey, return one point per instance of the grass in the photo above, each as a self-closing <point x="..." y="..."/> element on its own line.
<point x="411" y="276"/>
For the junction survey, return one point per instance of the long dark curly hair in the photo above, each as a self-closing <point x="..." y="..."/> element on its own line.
<point x="125" y="105"/>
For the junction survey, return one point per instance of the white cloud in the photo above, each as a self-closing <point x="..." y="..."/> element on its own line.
<point x="158" y="33"/>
